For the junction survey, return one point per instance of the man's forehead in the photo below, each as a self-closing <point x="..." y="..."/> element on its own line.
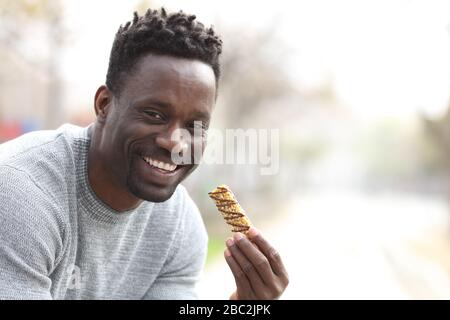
<point x="166" y="78"/>
<point x="166" y="75"/>
<point x="153" y="67"/>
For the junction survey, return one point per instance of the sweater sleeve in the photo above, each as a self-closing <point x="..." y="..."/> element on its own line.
<point x="29" y="237"/>
<point x="182" y="270"/>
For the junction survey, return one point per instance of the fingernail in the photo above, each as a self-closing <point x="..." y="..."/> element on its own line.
<point x="227" y="253"/>
<point x="230" y="242"/>
<point x="253" y="232"/>
<point x="238" y="236"/>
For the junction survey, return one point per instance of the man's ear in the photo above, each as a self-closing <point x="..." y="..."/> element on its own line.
<point x="102" y="102"/>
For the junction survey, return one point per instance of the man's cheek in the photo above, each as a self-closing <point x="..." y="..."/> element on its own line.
<point x="137" y="129"/>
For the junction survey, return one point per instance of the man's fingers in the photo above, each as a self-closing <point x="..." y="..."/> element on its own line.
<point x="239" y="275"/>
<point x="272" y="255"/>
<point x="246" y="266"/>
<point x="255" y="256"/>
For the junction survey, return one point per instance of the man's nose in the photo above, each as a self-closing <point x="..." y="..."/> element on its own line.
<point x="174" y="140"/>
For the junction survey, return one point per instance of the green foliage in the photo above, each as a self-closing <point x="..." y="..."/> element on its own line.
<point x="216" y="247"/>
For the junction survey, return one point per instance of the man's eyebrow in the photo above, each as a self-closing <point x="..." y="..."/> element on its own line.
<point x="200" y="115"/>
<point x="144" y="103"/>
<point x="152" y="101"/>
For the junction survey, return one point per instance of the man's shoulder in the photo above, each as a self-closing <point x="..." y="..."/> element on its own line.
<point x="32" y="224"/>
<point x="36" y="143"/>
<point x="45" y="157"/>
<point x="25" y="201"/>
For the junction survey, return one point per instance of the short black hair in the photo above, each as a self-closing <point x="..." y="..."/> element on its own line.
<point x="175" y="34"/>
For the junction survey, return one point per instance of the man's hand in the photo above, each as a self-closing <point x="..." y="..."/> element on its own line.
<point x="256" y="266"/>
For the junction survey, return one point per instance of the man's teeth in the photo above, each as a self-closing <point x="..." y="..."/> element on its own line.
<point x="160" y="164"/>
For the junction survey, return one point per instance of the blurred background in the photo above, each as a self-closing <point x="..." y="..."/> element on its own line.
<point x="359" y="91"/>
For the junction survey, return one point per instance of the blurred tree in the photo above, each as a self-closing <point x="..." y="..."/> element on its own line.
<point x="439" y="132"/>
<point x="251" y="75"/>
<point x="17" y="21"/>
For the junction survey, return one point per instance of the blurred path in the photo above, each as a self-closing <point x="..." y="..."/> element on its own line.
<point x="353" y="246"/>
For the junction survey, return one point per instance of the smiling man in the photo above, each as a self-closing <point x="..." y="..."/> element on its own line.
<point x="99" y="212"/>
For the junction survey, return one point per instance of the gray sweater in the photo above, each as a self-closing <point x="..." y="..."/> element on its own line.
<point x="59" y="241"/>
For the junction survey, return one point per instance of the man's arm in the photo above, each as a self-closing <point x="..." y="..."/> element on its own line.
<point x="27" y="238"/>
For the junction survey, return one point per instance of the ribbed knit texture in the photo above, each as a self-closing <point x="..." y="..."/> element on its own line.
<point x="58" y="240"/>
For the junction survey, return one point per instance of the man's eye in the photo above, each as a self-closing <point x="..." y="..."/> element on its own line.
<point x="155" y="115"/>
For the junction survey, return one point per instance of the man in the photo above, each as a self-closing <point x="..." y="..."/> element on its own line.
<point x="99" y="212"/>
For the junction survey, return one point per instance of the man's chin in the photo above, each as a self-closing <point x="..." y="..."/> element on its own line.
<point x="152" y="193"/>
<point x="150" y="189"/>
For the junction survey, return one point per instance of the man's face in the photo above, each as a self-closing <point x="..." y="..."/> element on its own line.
<point x="162" y="95"/>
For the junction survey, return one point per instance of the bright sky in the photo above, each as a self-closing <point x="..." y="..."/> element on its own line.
<point x="383" y="57"/>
